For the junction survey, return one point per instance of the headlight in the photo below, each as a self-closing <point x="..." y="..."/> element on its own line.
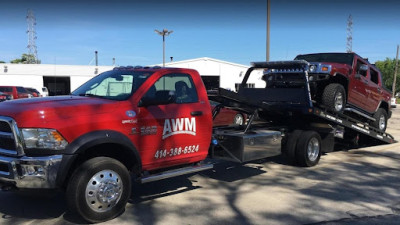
<point x="312" y="68"/>
<point x="43" y="138"/>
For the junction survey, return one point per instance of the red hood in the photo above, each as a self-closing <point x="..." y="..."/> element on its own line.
<point x="35" y="111"/>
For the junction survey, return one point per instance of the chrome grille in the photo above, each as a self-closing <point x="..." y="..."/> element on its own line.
<point x="10" y="138"/>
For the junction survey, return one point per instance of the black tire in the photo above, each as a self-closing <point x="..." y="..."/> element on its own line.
<point x="289" y="146"/>
<point x="334" y="98"/>
<point x="97" y="178"/>
<point x="238" y="119"/>
<point x="381" y="118"/>
<point x="308" y="149"/>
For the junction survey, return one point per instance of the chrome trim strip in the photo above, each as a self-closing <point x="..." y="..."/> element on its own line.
<point x="175" y="173"/>
<point x="360" y="113"/>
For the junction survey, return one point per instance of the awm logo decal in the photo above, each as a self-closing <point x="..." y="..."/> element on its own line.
<point x="179" y="126"/>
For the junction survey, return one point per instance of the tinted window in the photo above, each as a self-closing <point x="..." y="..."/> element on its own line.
<point x="343" y="58"/>
<point x="374" y="76"/>
<point x="6" y="89"/>
<point x="180" y="84"/>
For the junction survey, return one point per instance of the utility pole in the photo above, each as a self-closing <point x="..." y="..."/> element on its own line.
<point x="164" y="33"/>
<point x="395" y="73"/>
<point x="268" y="23"/>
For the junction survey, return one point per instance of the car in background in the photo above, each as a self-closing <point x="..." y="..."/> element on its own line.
<point x="44" y="92"/>
<point x="393" y="102"/>
<point x="228" y="117"/>
<point x="5" y="97"/>
<point x="34" y="92"/>
<point x="16" y="91"/>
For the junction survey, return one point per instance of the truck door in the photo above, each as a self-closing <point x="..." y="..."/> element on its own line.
<point x="357" y="86"/>
<point x="173" y="123"/>
<point x="375" y="91"/>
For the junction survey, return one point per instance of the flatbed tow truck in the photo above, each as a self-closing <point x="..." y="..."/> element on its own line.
<point x="153" y="123"/>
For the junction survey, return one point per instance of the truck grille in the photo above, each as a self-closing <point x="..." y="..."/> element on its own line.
<point x="10" y="140"/>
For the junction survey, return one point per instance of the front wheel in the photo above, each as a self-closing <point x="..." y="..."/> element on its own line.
<point x="381" y="118"/>
<point x="99" y="189"/>
<point x="308" y="149"/>
<point x="334" y="98"/>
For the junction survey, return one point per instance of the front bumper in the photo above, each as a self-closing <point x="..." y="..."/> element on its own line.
<point x="29" y="172"/>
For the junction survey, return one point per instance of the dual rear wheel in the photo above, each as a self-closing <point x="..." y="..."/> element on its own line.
<point x="303" y="148"/>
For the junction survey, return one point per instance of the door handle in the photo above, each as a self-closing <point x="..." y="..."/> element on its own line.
<point x="196" y="113"/>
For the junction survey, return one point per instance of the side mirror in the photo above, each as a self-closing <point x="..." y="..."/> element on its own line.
<point x="363" y="68"/>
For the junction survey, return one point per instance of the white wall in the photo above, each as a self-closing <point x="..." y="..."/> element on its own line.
<point x="31" y="75"/>
<point x="229" y="73"/>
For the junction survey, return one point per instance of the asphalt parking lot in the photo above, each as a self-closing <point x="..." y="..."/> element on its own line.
<point x="358" y="186"/>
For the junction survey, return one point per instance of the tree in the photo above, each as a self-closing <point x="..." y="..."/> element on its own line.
<point x="387" y="69"/>
<point x="26" y="59"/>
<point x="2" y="61"/>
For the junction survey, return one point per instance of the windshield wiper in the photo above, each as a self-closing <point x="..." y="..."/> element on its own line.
<point x="91" y="95"/>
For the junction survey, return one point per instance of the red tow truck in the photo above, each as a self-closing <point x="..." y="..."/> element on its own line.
<point x="153" y="123"/>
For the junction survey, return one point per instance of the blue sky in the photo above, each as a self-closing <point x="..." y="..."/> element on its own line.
<point x="68" y="32"/>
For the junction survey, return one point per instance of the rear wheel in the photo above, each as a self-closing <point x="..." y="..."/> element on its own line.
<point x="238" y="120"/>
<point x="334" y="97"/>
<point x="308" y="149"/>
<point x="381" y="118"/>
<point x="99" y="189"/>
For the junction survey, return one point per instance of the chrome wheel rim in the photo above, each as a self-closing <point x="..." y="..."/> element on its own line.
<point x="103" y="191"/>
<point x="238" y="120"/>
<point x="382" y="122"/>
<point x="313" y="149"/>
<point x="339" y="101"/>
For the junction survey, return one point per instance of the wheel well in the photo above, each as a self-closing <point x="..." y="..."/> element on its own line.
<point x="385" y="106"/>
<point x="112" y="150"/>
<point x="341" y="79"/>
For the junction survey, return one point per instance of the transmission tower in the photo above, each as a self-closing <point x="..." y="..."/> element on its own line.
<point x="349" y="44"/>
<point x="32" y="49"/>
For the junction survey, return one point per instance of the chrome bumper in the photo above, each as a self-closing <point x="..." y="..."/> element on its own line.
<point x="29" y="172"/>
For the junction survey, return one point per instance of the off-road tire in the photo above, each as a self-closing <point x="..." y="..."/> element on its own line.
<point x="334" y="93"/>
<point x="308" y="149"/>
<point x="381" y="118"/>
<point x="98" y="170"/>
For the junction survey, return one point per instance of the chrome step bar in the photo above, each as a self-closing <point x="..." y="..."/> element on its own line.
<point x="176" y="172"/>
<point x="360" y="113"/>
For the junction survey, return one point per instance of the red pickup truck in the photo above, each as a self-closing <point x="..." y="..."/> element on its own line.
<point x="347" y="82"/>
<point x="131" y="118"/>
<point x="16" y="91"/>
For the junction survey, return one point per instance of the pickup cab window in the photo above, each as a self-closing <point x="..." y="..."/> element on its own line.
<point x="171" y="88"/>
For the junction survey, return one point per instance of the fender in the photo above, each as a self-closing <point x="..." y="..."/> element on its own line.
<point x="91" y="139"/>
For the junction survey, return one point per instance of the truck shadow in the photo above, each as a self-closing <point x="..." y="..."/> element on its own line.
<point x="19" y="207"/>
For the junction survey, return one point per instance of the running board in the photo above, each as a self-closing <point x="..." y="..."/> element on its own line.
<point x="176" y="172"/>
<point x="360" y="113"/>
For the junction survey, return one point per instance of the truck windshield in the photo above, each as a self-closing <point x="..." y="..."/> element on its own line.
<point x="113" y="85"/>
<point x="343" y="58"/>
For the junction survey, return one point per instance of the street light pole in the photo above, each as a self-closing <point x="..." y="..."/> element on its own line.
<point x="164" y="33"/>
<point x="268" y="25"/>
